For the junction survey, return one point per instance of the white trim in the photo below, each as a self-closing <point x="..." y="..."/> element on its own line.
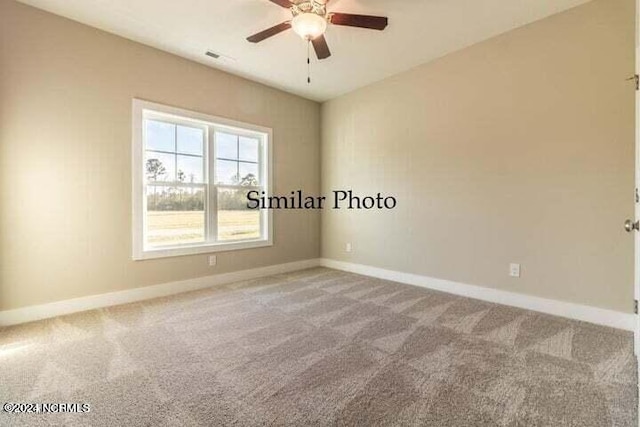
<point x="175" y="251"/>
<point x="585" y="313"/>
<point x="140" y="109"/>
<point x="179" y="113"/>
<point x="59" y="308"/>
<point x="137" y="185"/>
<point x="600" y="316"/>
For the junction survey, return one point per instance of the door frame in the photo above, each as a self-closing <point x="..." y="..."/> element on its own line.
<point x="637" y="188"/>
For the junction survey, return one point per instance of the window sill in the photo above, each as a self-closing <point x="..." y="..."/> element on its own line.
<point x="199" y="249"/>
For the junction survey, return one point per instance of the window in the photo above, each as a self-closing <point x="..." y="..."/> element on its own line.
<point x="191" y="176"/>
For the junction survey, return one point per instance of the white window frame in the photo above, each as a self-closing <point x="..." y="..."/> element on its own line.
<point x="142" y="109"/>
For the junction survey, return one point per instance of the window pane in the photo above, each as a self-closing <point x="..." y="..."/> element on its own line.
<point x="160" y="167"/>
<point x="249" y="174"/>
<point x="249" y="149"/>
<point x="160" y="136"/>
<point x="226" y="172"/>
<point x="190" y="140"/>
<point x="190" y="169"/>
<point x="235" y="220"/>
<point x="227" y="145"/>
<point x="175" y="216"/>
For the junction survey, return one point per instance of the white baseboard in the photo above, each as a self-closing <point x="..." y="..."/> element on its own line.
<point x="44" y="311"/>
<point x="569" y="310"/>
<point x="585" y="313"/>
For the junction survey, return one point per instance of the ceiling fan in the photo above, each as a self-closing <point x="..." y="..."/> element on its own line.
<point x="310" y="20"/>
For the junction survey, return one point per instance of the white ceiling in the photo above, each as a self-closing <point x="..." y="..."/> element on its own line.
<point x="419" y="31"/>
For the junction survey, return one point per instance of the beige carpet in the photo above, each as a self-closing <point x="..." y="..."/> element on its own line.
<point x="317" y="348"/>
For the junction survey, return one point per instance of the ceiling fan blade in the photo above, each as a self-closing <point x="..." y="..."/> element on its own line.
<point x="321" y="47"/>
<point x="269" y="32"/>
<point x="283" y="3"/>
<point x="362" y="21"/>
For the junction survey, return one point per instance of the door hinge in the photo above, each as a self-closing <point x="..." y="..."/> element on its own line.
<point x="636" y="79"/>
<point x="635" y="306"/>
<point x="637" y="196"/>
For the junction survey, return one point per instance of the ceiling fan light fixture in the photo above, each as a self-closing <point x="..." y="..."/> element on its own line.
<point x="309" y="25"/>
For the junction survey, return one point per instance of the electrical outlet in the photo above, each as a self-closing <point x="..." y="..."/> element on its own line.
<point x="348" y="247"/>
<point x="213" y="260"/>
<point x="514" y="270"/>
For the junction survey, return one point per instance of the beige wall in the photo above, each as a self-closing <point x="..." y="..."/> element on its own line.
<point x="65" y="156"/>
<point x="518" y="149"/>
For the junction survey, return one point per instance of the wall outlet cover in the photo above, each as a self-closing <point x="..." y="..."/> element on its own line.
<point x="514" y="270"/>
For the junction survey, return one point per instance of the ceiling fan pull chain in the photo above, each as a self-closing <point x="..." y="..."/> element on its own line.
<point x="308" y="61"/>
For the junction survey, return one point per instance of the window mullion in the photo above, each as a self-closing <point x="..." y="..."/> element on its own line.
<point x="205" y="165"/>
<point x="263" y="184"/>
<point x="212" y="211"/>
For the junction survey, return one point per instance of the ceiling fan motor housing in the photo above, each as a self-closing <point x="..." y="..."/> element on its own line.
<point x="309" y="6"/>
